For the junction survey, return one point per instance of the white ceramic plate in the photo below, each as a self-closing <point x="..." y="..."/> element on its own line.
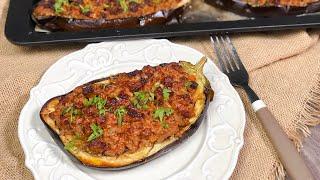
<point x="211" y="153"/>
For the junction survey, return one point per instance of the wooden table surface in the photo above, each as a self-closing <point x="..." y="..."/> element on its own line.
<point x="311" y="151"/>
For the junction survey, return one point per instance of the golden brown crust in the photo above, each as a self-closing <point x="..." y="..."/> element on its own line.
<point x="141" y="154"/>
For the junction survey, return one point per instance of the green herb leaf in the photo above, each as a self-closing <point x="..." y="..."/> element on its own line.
<point x="74" y="112"/>
<point x="96" y="132"/>
<point x="160" y="113"/>
<point x="136" y="104"/>
<point x="166" y="93"/>
<point x="87" y="102"/>
<point x="70" y="145"/>
<point x="98" y="101"/>
<point x="141" y="98"/>
<point x="85" y="9"/>
<point x="71" y="112"/>
<point x="120" y="112"/>
<point x="102" y="112"/>
<point x="58" y="5"/>
<point x="66" y="110"/>
<point x="123" y="5"/>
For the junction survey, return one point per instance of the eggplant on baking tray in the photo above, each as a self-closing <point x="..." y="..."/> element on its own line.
<point x="75" y="15"/>
<point x="278" y="3"/>
<point x="128" y="119"/>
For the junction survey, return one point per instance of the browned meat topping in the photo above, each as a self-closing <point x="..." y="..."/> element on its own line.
<point x="133" y="110"/>
<point x="102" y="9"/>
<point x="287" y="3"/>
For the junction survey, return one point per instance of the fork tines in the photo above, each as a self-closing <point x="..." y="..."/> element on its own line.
<point x="226" y="53"/>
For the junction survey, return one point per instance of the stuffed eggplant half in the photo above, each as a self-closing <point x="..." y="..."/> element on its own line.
<point x="128" y="119"/>
<point x="279" y="3"/>
<point x="75" y="15"/>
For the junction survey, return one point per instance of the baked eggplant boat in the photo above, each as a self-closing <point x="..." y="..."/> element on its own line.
<point x="75" y="15"/>
<point x="279" y="3"/>
<point x="128" y="119"/>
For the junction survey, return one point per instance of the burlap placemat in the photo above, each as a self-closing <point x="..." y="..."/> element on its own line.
<point x="284" y="70"/>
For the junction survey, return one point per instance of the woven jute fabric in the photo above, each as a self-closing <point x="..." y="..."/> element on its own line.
<point x="284" y="72"/>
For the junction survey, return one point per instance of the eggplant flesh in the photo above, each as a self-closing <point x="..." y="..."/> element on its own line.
<point x="204" y="95"/>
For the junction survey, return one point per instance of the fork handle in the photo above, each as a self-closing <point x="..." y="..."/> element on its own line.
<point x="289" y="156"/>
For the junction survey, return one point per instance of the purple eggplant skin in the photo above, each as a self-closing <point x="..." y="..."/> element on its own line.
<point x="56" y="23"/>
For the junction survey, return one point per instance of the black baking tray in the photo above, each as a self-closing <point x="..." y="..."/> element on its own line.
<point x="20" y="29"/>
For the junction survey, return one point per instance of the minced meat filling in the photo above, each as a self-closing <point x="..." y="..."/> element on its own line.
<point x="102" y="9"/>
<point x="128" y="111"/>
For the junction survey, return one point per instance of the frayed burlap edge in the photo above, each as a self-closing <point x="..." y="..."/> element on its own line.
<point x="308" y="117"/>
<point x="278" y="172"/>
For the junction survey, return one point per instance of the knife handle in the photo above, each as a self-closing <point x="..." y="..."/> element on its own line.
<point x="288" y="155"/>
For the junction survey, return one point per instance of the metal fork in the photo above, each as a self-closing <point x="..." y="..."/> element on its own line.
<point x="232" y="66"/>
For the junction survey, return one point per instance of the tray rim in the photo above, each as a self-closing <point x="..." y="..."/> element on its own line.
<point x="19" y="18"/>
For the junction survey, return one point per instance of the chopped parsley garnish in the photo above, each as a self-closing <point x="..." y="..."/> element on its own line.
<point x="166" y="93"/>
<point x="187" y="84"/>
<point x="98" y="101"/>
<point x="71" y="112"/>
<point x="120" y="112"/>
<point x="66" y="110"/>
<point x="85" y="9"/>
<point x="96" y="132"/>
<point x="141" y="98"/>
<point x="70" y="145"/>
<point x="123" y="5"/>
<point x="160" y="113"/>
<point x="58" y="5"/>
